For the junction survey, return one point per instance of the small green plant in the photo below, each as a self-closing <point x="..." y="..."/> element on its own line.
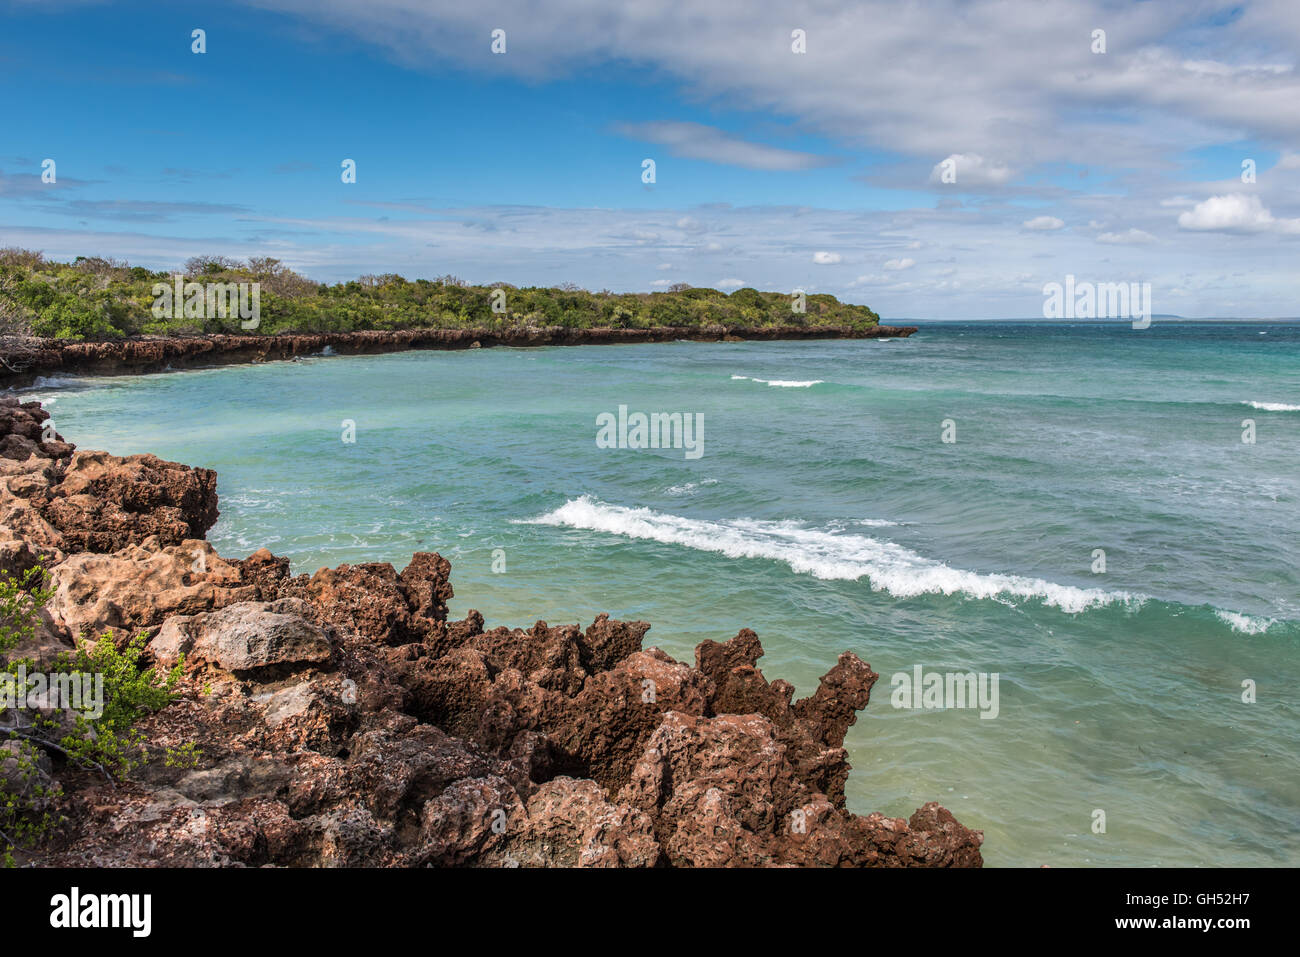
<point x="21" y="599"/>
<point x="103" y="737"/>
<point x="111" y="741"/>
<point x="186" y="756"/>
<point x="26" y="797"/>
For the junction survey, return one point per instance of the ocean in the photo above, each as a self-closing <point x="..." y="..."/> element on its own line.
<point x="1104" y="518"/>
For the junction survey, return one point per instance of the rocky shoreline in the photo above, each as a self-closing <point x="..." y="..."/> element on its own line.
<point x="343" y="720"/>
<point x="23" y="360"/>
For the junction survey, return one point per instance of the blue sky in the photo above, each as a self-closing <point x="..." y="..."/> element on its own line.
<point x="775" y="169"/>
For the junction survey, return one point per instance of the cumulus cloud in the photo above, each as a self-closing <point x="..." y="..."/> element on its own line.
<point x="1043" y="223"/>
<point x="990" y="77"/>
<point x="826" y="259"/>
<point x="898" y="265"/>
<point x="1008" y="89"/>
<point x="1235" y="213"/>
<point x="730" y="283"/>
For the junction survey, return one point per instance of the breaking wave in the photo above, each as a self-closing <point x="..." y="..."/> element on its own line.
<point x="885" y="565"/>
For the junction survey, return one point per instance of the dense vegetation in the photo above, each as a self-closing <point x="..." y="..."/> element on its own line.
<point x="95" y="298"/>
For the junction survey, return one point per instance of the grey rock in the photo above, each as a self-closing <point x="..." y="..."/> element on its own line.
<point x="245" y="636"/>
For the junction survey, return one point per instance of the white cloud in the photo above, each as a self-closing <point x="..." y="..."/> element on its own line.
<point x="1217" y="69"/>
<point x="592" y="246"/>
<point x="664" y="266"/>
<point x="730" y="283"/>
<point x="826" y="259"/>
<point x="1129" y="237"/>
<point x="897" y="265"/>
<point x="697" y="141"/>
<point x="992" y="77"/>
<point x="1043" y="223"/>
<point x="1235" y="213"/>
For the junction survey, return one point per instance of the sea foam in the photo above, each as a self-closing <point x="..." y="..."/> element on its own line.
<point x="885" y="565"/>
<point x="1273" y="406"/>
<point x="1244" y="624"/>
<point x="783" y="383"/>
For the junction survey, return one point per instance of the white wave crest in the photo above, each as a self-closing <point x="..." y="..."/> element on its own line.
<point x="783" y="383"/>
<point x="689" y="488"/>
<point x="1273" y="406"/>
<point x="1244" y="624"/>
<point x="886" y="566"/>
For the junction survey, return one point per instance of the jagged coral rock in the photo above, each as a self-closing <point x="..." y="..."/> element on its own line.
<point x="105" y="502"/>
<point x="54" y="501"/>
<point x="26" y="430"/>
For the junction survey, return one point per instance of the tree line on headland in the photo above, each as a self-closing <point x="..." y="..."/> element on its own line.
<point x="97" y="298"/>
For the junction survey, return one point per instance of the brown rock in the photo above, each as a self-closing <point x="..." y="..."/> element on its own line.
<point x="23" y="432"/>
<point x="105" y="503"/>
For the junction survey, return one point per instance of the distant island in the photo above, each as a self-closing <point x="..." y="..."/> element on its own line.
<point x="94" y="298"/>
<point x="97" y="315"/>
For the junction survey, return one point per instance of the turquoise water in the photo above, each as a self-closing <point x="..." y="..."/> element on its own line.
<point x="827" y="513"/>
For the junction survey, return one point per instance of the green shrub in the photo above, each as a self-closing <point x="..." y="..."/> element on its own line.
<point x="108" y="742"/>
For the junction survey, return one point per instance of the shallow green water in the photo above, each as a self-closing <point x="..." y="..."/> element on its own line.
<point x="826" y="513"/>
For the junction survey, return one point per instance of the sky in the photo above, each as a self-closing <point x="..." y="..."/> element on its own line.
<point x="929" y="159"/>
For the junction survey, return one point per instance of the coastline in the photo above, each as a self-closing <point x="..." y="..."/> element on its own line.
<point x="342" y="720"/>
<point x="145" y="354"/>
